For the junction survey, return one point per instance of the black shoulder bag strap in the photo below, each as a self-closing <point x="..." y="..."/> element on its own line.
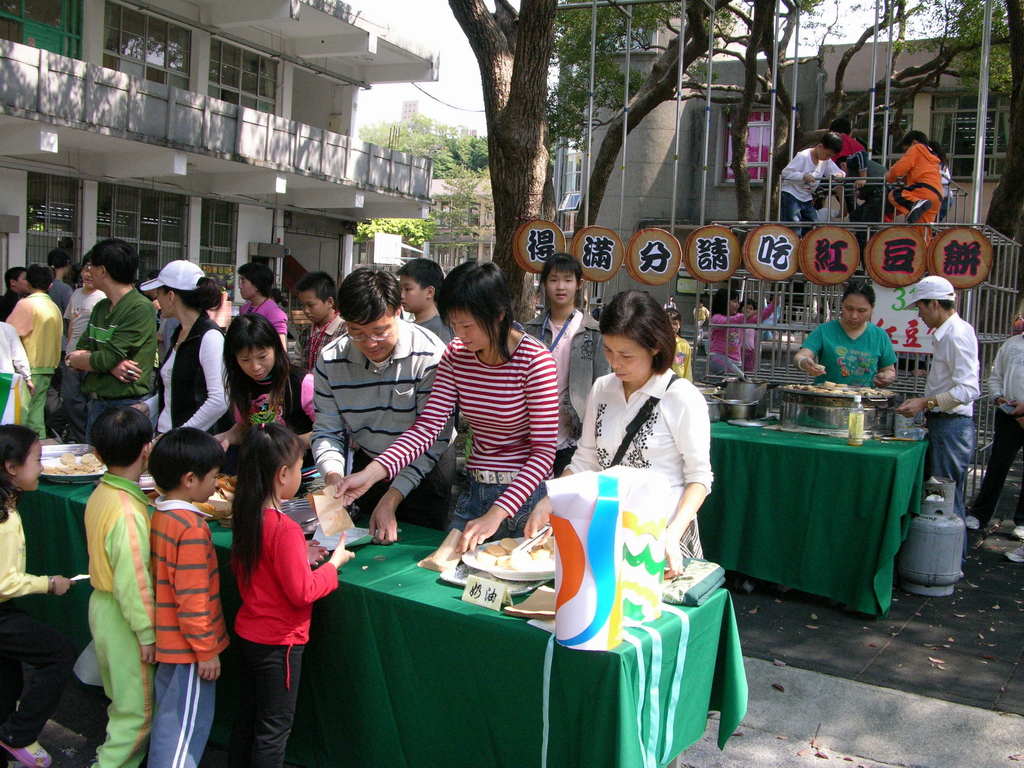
<point x="638" y="421"/>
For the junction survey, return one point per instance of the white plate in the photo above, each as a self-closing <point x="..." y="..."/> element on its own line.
<point x="90" y="477"/>
<point x="460" y="574"/>
<point x="542" y="569"/>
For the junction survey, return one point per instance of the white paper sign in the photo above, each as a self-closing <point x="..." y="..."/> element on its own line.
<point x="896" y="315"/>
<point x="486" y="593"/>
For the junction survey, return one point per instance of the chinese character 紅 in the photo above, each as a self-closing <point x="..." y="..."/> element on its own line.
<point x="898" y="255"/>
<point x="712" y="254"/>
<point x="491" y="595"/>
<point x="475" y="590"/>
<point x="597" y="252"/>
<point x="654" y="257"/>
<point x="541" y="244"/>
<point x="891" y="331"/>
<point x="960" y="258"/>
<point x="828" y="256"/>
<point x="774" y="252"/>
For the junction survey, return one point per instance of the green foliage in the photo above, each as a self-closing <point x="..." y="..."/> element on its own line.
<point x="464" y="209"/>
<point x="455" y="155"/>
<point x="414" y="232"/>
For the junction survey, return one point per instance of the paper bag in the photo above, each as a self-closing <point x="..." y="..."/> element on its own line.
<point x="642" y="504"/>
<point x="445" y="557"/>
<point x="334" y="518"/>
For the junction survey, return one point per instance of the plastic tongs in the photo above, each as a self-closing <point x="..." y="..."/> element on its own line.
<point x="527" y="545"/>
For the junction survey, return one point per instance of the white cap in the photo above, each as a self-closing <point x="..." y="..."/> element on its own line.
<point x="178" y="275"/>
<point x="934" y="287"/>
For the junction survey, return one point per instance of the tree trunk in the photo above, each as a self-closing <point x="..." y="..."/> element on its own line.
<point x="513" y="52"/>
<point x="1006" y="211"/>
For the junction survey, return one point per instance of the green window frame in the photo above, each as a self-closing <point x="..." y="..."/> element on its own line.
<point x="53" y="25"/>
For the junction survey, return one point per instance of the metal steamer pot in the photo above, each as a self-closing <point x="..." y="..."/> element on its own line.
<point x="714" y="412"/>
<point x="828" y="413"/>
<point x="743" y="400"/>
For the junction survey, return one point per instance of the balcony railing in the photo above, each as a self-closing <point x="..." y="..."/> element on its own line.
<point x="40" y="85"/>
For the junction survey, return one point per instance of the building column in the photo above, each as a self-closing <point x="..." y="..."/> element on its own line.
<point x="193" y="238"/>
<point x="347" y="247"/>
<point x="87" y="215"/>
<point x="14" y="202"/>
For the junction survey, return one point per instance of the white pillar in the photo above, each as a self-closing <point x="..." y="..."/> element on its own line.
<point x="87" y="216"/>
<point x="13" y="202"/>
<point x="92" y="31"/>
<point x="193" y="238"/>
<point x="347" y="244"/>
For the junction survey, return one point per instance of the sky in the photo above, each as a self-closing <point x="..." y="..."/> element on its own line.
<point x="430" y="22"/>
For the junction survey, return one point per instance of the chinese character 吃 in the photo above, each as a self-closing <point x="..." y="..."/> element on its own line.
<point x="597" y="252"/>
<point x="774" y="252"/>
<point x="828" y="256"/>
<point x="898" y="255"/>
<point x="712" y="254"/>
<point x="654" y="257"/>
<point x="960" y="258"/>
<point x="541" y="244"/>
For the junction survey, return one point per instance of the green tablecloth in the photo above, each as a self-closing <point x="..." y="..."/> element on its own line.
<point x="400" y="672"/>
<point x="812" y="512"/>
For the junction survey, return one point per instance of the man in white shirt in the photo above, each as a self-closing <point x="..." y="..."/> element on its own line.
<point x="951" y="387"/>
<point x="1006" y="390"/>
<point x="800" y="178"/>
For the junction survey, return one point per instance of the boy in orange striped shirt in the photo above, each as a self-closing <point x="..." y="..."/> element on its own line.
<point x="190" y="629"/>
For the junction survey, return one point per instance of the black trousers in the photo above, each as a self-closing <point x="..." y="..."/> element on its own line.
<point x="429" y="502"/>
<point x="26" y="705"/>
<point x="1007" y="439"/>
<point x="563" y="458"/>
<point x="267" y="693"/>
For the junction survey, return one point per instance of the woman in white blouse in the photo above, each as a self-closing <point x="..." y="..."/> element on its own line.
<point x="190" y="383"/>
<point x="675" y="440"/>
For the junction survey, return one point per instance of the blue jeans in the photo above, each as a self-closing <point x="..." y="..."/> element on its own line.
<point x="480" y="497"/>
<point x="798" y="210"/>
<point x="97" y="406"/>
<point x="951" y="443"/>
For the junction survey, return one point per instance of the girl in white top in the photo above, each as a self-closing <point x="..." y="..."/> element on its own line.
<point x="675" y="440"/>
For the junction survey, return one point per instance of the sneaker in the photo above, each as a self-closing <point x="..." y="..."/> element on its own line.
<point x="1016" y="556"/>
<point x="921" y="207"/>
<point x="971" y="521"/>
<point x="1018" y="533"/>
<point x="32" y="755"/>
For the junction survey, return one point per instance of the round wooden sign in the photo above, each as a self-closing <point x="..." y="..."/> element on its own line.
<point x="962" y="255"/>
<point x="770" y="252"/>
<point x="535" y="241"/>
<point x="600" y="252"/>
<point x="711" y="254"/>
<point x="653" y="256"/>
<point x="895" y="256"/>
<point x="829" y="255"/>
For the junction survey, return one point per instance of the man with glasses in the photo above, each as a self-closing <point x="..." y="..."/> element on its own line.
<point x="371" y="385"/>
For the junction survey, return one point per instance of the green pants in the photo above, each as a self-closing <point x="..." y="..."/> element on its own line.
<point x="35" y="411"/>
<point x="127" y="681"/>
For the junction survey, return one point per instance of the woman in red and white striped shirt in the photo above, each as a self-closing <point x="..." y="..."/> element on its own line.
<point x="504" y="383"/>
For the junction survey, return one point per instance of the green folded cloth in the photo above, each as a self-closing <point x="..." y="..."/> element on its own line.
<point x="695" y="584"/>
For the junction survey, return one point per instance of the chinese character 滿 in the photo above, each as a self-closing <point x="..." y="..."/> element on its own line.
<point x="597" y="252"/>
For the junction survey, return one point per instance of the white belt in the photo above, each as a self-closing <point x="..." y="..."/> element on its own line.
<point x="490" y="477"/>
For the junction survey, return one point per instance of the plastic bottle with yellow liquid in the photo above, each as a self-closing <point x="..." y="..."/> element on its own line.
<point x="856" y="423"/>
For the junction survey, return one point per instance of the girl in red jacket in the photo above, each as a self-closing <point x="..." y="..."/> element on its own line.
<point x="269" y="560"/>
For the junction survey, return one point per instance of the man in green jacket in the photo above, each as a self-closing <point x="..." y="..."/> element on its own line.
<point x="118" y="347"/>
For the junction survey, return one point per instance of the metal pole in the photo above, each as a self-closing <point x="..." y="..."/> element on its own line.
<point x="874" y="79"/>
<point x="679" y="110"/>
<point x="590" y="115"/>
<point x="796" y="83"/>
<point x="982" y="119"/>
<point x="625" y="118"/>
<point x="888" y="90"/>
<point x="771" y="129"/>
<point x="707" y="115"/>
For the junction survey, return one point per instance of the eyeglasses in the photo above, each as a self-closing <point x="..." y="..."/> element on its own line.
<point x="373" y="336"/>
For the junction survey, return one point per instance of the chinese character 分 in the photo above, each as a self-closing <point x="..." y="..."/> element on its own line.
<point x="898" y="255"/>
<point x="774" y="252"/>
<point x="654" y="257"/>
<point x="597" y="252"/>
<point x="828" y="256"/>
<point x="960" y="258"/>
<point x="712" y="254"/>
<point x="541" y="244"/>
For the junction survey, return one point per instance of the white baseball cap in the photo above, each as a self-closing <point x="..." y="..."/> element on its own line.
<point x="934" y="287"/>
<point x="178" y="275"/>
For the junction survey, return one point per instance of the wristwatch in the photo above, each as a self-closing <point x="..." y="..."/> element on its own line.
<point x="931" y="403"/>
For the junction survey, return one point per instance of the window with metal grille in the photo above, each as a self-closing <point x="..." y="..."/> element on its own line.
<point x="239" y="76"/>
<point x="217" y="241"/>
<point x="146" y="46"/>
<point x="955" y="128"/>
<point x="52" y="216"/>
<point x="52" y="25"/>
<point x="156" y="223"/>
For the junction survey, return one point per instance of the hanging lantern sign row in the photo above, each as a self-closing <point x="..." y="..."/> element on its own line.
<point x="894" y="257"/>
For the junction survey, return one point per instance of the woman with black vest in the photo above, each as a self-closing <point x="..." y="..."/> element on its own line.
<point x="190" y="384"/>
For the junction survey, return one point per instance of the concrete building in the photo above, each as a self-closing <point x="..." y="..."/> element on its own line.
<point x="213" y="130"/>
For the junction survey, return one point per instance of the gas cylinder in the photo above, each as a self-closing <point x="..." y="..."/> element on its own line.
<point x="930" y="559"/>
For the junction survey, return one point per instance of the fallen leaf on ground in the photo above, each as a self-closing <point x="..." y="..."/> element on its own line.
<point x="810" y="626"/>
<point x="960" y="615"/>
<point x="814" y="617"/>
<point x="803" y="752"/>
<point x="872" y="645"/>
<point x="1017" y="757"/>
<point x="782" y="738"/>
<point x="822" y="755"/>
<point x="778" y="687"/>
<point x="779" y="663"/>
<point x="753" y="611"/>
<point x="935" y="661"/>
